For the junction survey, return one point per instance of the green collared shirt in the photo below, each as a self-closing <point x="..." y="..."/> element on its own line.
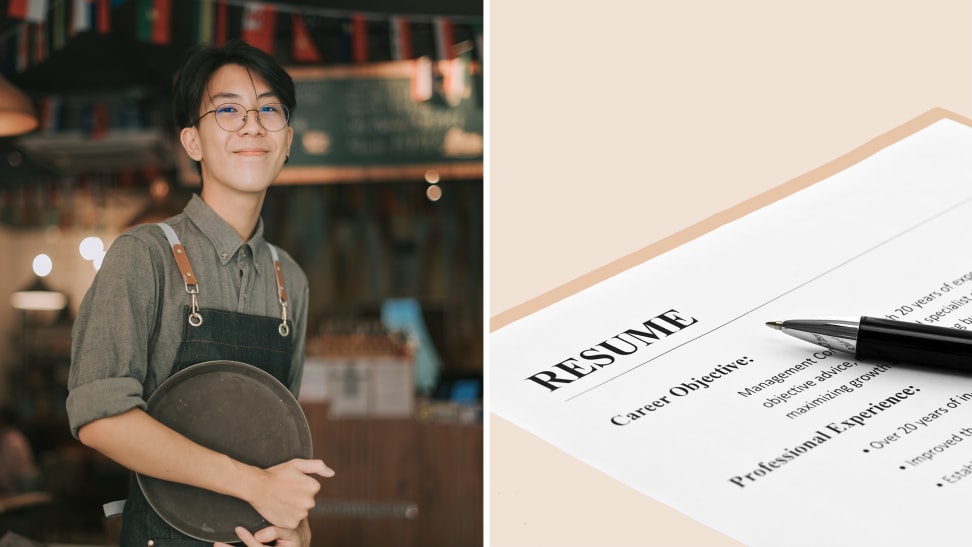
<point x="129" y="326"/>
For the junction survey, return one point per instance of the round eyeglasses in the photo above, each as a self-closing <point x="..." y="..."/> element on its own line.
<point x="232" y="117"/>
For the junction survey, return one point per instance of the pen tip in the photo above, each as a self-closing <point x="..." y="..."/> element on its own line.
<point x="778" y="325"/>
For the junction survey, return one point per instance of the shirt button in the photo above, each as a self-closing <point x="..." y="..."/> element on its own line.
<point x="224" y="256"/>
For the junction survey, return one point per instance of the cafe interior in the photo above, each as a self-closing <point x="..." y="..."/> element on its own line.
<point x="381" y="204"/>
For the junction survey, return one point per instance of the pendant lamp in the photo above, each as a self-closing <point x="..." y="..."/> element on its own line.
<point x="38" y="296"/>
<point x="17" y="114"/>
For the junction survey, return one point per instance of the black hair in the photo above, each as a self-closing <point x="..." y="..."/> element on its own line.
<point x="201" y="62"/>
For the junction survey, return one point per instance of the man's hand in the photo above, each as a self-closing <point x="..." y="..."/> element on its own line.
<point x="287" y="491"/>
<point x="278" y="537"/>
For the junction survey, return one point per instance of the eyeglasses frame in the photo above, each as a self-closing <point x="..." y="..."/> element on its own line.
<point x="246" y="115"/>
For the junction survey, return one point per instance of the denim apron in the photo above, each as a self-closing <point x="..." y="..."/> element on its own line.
<point x="210" y="335"/>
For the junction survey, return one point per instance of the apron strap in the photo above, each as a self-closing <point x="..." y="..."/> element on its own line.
<point x="179" y="252"/>
<point x="182" y="261"/>
<point x="192" y="285"/>
<point x="284" y="328"/>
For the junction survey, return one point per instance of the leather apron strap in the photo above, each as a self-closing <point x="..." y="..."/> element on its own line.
<point x="192" y="283"/>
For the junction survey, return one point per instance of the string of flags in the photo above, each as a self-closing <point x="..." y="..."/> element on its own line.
<point x="440" y="49"/>
<point x="48" y="26"/>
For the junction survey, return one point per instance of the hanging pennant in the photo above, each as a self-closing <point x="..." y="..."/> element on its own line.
<point x="144" y="20"/>
<point x="36" y="11"/>
<point x="80" y="17"/>
<point x="60" y="30"/>
<point x="17" y="9"/>
<point x="40" y="42"/>
<point x="444" y="38"/>
<point x="345" y="45"/>
<point x="359" y="39"/>
<point x="259" y="24"/>
<point x="304" y="49"/>
<point x="401" y="38"/>
<point x="101" y="16"/>
<point x="222" y="23"/>
<point x="23" y="48"/>
<point x="162" y="25"/>
<point x="204" y="21"/>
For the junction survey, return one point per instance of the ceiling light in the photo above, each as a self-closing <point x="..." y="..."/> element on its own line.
<point x="17" y="114"/>
<point x="38" y="296"/>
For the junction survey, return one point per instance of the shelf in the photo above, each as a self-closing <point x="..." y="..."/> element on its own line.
<point x="76" y="152"/>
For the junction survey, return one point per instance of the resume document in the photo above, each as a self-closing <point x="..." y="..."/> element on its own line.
<point x="666" y="377"/>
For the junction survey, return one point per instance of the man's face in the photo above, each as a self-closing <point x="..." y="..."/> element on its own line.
<point x="246" y="160"/>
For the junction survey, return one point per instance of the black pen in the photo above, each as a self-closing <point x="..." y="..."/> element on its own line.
<point x="882" y="339"/>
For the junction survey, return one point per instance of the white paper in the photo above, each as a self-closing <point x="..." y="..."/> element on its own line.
<point x="824" y="450"/>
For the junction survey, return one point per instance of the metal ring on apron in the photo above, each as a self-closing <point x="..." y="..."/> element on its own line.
<point x="284" y="328"/>
<point x="195" y="319"/>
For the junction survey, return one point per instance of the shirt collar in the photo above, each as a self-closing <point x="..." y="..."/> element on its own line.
<point x="223" y="237"/>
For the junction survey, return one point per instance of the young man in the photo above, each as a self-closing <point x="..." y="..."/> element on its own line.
<point x="142" y="320"/>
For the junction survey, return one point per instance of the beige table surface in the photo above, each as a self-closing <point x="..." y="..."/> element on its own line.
<point x="616" y="126"/>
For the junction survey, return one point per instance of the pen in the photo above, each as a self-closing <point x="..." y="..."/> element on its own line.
<point x="882" y="339"/>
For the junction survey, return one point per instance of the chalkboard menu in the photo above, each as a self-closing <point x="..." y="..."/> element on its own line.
<point x="386" y="121"/>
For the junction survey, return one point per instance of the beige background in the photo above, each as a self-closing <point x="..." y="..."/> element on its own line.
<point x="616" y="124"/>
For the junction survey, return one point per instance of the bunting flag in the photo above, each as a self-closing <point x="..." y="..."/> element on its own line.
<point x="345" y="47"/>
<point x="304" y="49"/>
<point x="423" y="78"/>
<point x="444" y="38"/>
<point x="59" y="31"/>
<point x="204" y="21"/>
<point x="101" y="15"/>
<point x="259" y="25"/>
<point x="153" y="21"/>
<point x="222" y="22"/>
<point x="32" y="11"/>
<point x="37" y="11"/>
<point x="143" y="20"/>
<point x="49" y="24"/>
<point x="17" y="9"/>
<point x="359" y="39"/>
<point x="23" y="48"/>
<point x="162" y="24"/>
<point x="401" y="38"/>
<point x="80" y="17"/>
<point x="40" y="42"/>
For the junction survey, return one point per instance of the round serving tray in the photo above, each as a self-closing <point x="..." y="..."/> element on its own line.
<point x="238" y="410"/>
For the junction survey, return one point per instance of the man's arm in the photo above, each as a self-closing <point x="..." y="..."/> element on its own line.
<point x="283" y="494"/>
